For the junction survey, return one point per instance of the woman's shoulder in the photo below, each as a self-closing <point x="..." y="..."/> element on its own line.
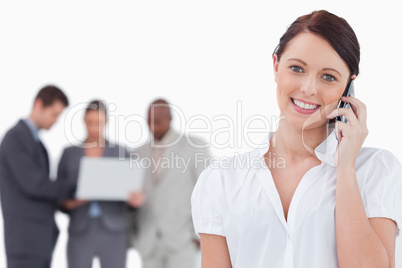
<point x="237" y="163"/>
<point x="379" y="175"/>
<point x="229" y="172"/>
<point x="375" y="166"/>
<point x="370" y="157"/>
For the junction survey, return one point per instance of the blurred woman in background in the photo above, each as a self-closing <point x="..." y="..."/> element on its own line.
<point x="95" y="228"/>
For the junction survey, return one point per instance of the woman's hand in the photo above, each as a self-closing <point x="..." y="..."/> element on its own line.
<point x="350" y="136"/>
<point x="73" y="204"/>
<point x="136" y="199"/>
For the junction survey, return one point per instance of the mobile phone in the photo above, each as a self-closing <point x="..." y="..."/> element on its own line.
<point x="349" y="91"/>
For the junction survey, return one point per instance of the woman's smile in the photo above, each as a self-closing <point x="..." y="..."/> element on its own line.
<point x="304" y="107"/>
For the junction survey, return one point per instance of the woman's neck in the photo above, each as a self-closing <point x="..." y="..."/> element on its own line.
<point x="295" y="143"/>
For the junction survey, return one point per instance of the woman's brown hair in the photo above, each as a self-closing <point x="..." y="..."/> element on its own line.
<point x="332" y="28"/>
<point x="96" y="105"/>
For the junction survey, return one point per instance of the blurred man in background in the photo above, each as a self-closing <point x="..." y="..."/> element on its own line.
<point x="164" y="233"/>
<point x="29" y="198"/>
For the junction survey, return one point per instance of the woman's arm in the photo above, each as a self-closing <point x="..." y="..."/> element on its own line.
<point x="382" y="227"/>
<point x="65" y="172"/>
<point x="361" y="242"/>
<point x="214" y="252"/>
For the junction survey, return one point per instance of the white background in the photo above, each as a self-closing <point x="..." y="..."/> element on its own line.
<point x="203" y="56"/>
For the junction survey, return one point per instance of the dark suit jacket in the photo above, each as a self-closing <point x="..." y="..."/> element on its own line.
<point x="28" y="197"/>
<point x="114" y="214"/>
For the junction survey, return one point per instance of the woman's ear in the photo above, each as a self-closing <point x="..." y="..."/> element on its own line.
<point x="353" y="77"/>
<point x="275" y="65"/>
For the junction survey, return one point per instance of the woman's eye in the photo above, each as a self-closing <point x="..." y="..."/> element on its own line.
<point x="296" y="69"/>
<point x="329" y="78"/>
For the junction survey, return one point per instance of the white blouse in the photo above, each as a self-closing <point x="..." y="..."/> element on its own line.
<point x="238" y="200"/>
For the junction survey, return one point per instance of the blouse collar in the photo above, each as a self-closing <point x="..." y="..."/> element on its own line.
<point x="325" y="151"/>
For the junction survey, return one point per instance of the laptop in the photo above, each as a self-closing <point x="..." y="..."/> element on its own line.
<point x="108" y="178"/>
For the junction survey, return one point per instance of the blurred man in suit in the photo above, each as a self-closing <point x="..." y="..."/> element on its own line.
<point x="28" y="197"/>
<point x="163" y="228"/>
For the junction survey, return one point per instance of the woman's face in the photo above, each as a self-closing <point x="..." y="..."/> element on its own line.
<point x="311" y="78"/>
<point x="95" y="122"/>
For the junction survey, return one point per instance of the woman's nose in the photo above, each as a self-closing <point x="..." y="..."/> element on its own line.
<point x="308" y="86"/>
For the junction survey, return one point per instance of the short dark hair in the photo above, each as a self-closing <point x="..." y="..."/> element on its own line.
<point x="49" y="94"/>
<point x="96" y="105"/>
<point x="332" y="28"/>
<point x="161" y="103"/>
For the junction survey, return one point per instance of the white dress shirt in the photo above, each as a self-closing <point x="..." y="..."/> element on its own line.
<point x="238" y="200"/>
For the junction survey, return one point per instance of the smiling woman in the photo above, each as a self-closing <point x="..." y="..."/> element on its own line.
<point x="333" y="204"/>
<point x="310" y="76"/>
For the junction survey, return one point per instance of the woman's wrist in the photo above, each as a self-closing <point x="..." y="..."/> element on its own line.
<point x="345" y="170"/>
